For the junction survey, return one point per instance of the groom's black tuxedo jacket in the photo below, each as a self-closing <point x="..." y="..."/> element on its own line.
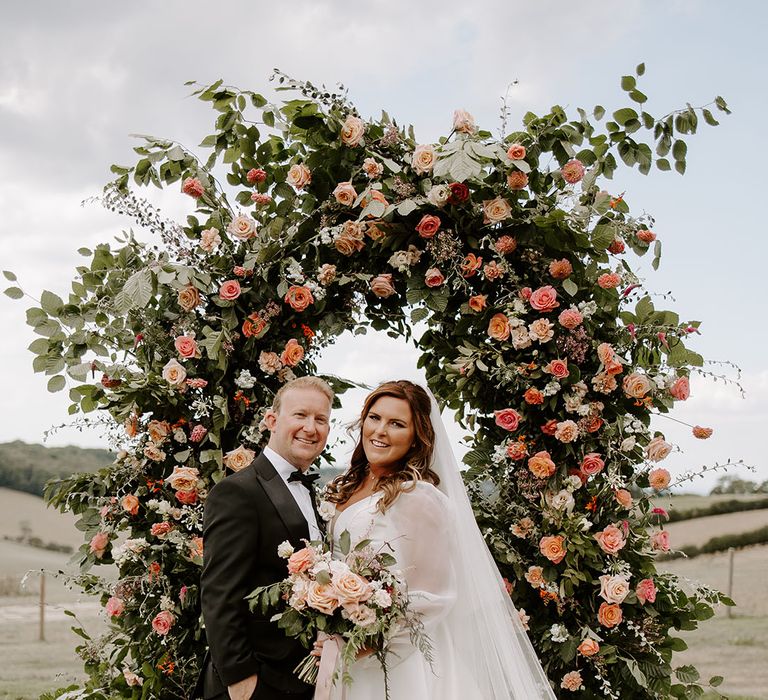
<point x="247" y="515"/>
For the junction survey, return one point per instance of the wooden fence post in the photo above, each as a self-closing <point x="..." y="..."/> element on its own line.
<point x="730" y="577"/>
<point x="42" y="607"/>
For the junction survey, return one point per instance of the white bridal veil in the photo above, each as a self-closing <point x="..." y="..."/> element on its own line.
<point x="485" y="627"/>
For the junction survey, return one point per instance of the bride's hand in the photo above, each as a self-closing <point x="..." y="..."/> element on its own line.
<point x="317" y="650"/>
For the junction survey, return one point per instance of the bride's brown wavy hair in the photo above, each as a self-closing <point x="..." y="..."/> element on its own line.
<point x="415" y="465"/>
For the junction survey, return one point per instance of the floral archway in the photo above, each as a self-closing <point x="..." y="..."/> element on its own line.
<point x="538" y="334"/>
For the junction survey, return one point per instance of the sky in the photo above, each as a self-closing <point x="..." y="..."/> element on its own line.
<point x="78" y="77"/>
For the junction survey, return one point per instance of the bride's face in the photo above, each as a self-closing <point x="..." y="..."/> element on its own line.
<point x="388" y="431"/>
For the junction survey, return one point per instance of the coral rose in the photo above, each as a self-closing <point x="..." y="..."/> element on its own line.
<point x="505" y="245"/>
<point x="162" y="622"/>
<point x="535" y="576"/>
<point x="570" y="319"/>
<point x="193" y="187"/>
<point x="646" y="236"/>
<point x="517" y="450"/>
<point x="544" y="299"/>
<point x="541" y="465"/>
<point x="299" y="176"/>
<point x="609" y="614"/>
<point x="174" y="373"/>
<point x="464" y="122"/>
<point x="498" y="327"/>
<point x="301" y="560"/>
<point x="493" y="270"/>
<point x="382" y="286"/>
<point x="613" y="589"/>
<point x="186" y="346"/>
<point x="98" y="544"/>
<point x="130" y="504"/>
<point x="592" y="464"/>
<point x="507" y="418"/>
<point x="659" y="479"/>
<point x="589" y="647"/>
<point x="188" y="298"/>
<point x="292" y="354"/>
<point x="298" y="297"/>
<point x="610" y="280"/>
<point x="516" y="152"/>
<point x="253" y="325"/>
<point x="496" y="210"/>
<point x="557" y="368"/>
<point x="702" y="433"/>
<point x="636" y="385"/>
<point x="470" y="265"/>
<point x="433" y="277"/>
<point x="553" y="548"/>
<point x="572" y="681"/>
<point x="681" y="389"/>
<point x="230" y="290"/>
<point x="477" y="302"/>
<point x="560" y="269"/>
<point x="624" y="498"/>
<point x="160" y="529"/>
<point x="423" y="159"/>
<point x="345" y="194"/>
<point x="573" y="171"/>
<point x="353" y="131"/>
<point x="534" y="397"/>
<point x="188" y="498"/>
<point x="660" y="541"/>
<point x="256" y="175"/>
<point x="428" y="226"/>
<point x="646" y="591"/>
<point x="517" y="180"/>
<point x="611" y="539"/>
<point x="239" y="458"/>
<point x="322" y="597"/>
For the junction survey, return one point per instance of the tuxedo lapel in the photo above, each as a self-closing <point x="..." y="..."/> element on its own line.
<point x="277" y="492"/>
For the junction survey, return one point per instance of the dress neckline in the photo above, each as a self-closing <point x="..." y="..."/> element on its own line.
<point x="353" y="507"/>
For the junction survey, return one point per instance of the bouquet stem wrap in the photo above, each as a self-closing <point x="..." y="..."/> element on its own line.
<point x="329" y="659"/>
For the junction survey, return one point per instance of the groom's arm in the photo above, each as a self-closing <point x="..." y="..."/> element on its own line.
<point x="230" y="537"/>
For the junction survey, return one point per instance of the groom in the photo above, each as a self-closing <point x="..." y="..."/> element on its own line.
<point x="247" y="515"/>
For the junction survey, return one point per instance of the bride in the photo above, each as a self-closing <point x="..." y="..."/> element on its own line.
<point x="404" y="488"/>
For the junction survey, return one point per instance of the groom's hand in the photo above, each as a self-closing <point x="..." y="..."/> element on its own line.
<point x="242" y="690"/>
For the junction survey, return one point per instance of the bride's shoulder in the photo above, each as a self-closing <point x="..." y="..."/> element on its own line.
<point x="422" y="493"/>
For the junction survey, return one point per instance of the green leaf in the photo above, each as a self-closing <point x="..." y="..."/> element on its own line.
<point x="136" y="292"/>
<point x="628" y="83"/>
<point x="640" y="69"/>
<point x="51" y="302"/>
<point x="709" y="117"/>
<point x="715" y="681"/>
<point x="14" y="293"/>
<point x="598" y="112"/>
<point x="56" y="383"/>
<point x="680" y="166"/>
<point x="687" y="674"/>
<point x="679" y="149"/>
<point x="622" y="116"/>
<point x="663" y="164"/>
<point x="603" y="236"/>
<point x="345" y="542"/>
<point x="570" y="287"/>
<point x="9" y="275"/>
<point x="637" y="96"/>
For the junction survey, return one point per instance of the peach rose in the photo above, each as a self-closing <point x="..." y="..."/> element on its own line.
<point x="659" y="479"/>
<point x="609" y="614"/>
<point x="98" y="544"/>
<point x="428" y="226"/>
<point x="162" y="622"/>
<point x="660" y="541"/>
<point x="423" y="159"/>
<point x="209" y="239"/>
<point x="541" y="465"/>
<point x="496" y="210"/>
<point x="613" y="589"/>
<point x="382" y="286"/>
<point x="507" y="418"/>
<point x="541" y="330"/>
<point x="470" y="265"/>
<point x="646" y="236"/>
<point x="611" y="539"/>
<point x="326" y="274"/>
<point x="269" y="362"/>
<point x="505" y="245"/>
<point x="636" y="385"/>
<point x="567" y="431"/>
<point x="298" y="297"/>
<point x="544" y="299"/>
<point x="517" y="450"/>
<point x="477" y="302"/>
<point x="535" y="576"/>
<point x="183" y="478"/>
<point x="610" y="280"/>
<point x="239" y="458"/>
<point x="242" y="227"/>
<point x="572" y="681"/>
<point x="193" y="187"/>
<point x="114" y="607"/>
<point x="299" y="176"/>
<point x="433" y="277"/>
<point x="573" y="171"/>
<point x="345" y="194"/>
<point x="464" y="122"/>
<point x="196" y="547"/>
<point x="292" y="354"/>
<point x="351" y="588"/>
<point x="560" y="269"/>
<point x="624" y="498"/>
<point x="553" y="548"/>
<point x="702" y="433"/>
<point x="188" y="298"/>
<point x="592" y="464"/>
<point x="516" y="152"/>
<point x="301" y="560"/>
<point x="372" y="168"/>
<point x="589" y="647"/>
<point x="534" y="397"/>
<point x="517" y="180"/>
<point x="322" y="597"/>
<point x="186" y="346"/>
<point x="350" y="239"/>
<point x="353" y="131"/>
<point x="570" y="319"/>
<point x="493" y="271"/>
<point x="130" y="504"/>
<point x="499" y="328"/>
<point x="557" y="368"/>
<point x="361" y="615"/>
<point x="229" y="290"/>
<point x="681" y="389"/>
<point x="158" y="430"/>
<point x="174" y="373"/>
<point x="153" y="452"/>
<point x="658" y="449"/>
<point x="646" y="591"/>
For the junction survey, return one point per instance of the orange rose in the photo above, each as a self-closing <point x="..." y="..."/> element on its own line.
<point x="478" y="302"/>
<point x="298" y="297"/>
<point x="517" y="180"/>
<point x="553" y="548"/>
<point x="609" y="614"/>
<point x="560" y="269"/>
<point x="516" y="152"/>
<point x="292" y="354"/>
<point x="499" y="328"/>
<point x="253" y="326"/>
<point x="589" y="647"/>
<point x="533" y="397"/>
<point x="470" y="265"/>
<point x="702" y="433"/>
<point x="130" y="504"/>
<point x="541" y="465"/>
<point x="188" y="298"/>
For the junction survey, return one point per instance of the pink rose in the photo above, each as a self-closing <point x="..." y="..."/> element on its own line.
<point x="256" y="175"/>
<point x="162" y="622"/>
<point x="186" y="346"/>
<point x="610" y="280"/>
<point x="636" y="385"/>
<point x="193" y="187"/>
<point x="544" y="299"/>
<point x="573" y="171"/>
<point x="464" y="122"/>
<point x="433" y="277"/>
<point x="611" y="539"/>
<point x="624" y="498"/>
<point x="229" y="290"/>
<point x="570" y="319"/>
<point x="681" y="389"/>
<point x="301" y="560"/>
<point x="572" y="681"/>
<point x="507" y="418"/>
<point x="428" y="226"/>
<point x="592" y="464"/>
<point x="98" y="544"/>
<point x="613" y="589"/>
<point x="382" y="286"/>
<point x="114" y="607"/>
<point x="646" y="591"/>
<point x="660" y="541"/>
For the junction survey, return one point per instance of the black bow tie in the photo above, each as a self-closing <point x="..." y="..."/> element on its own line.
<point x="306" y="478"/>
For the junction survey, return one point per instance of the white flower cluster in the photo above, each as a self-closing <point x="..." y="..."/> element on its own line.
<point x="552" y="388"/>
<point x="164" y="508"/>
<point x="559" y="633"/>
<point x="245" y="380"/>
<point x="328" y="234"/>
<point x="130" y="549"/>
<point x="293" y="272"/>
<point x="587" y="308"/>
<point x="499" y="454"/>
<point x="202" y="408"/>
<point x="318" y="291"/>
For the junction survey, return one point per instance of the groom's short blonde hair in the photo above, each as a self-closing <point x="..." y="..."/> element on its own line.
<point x="303" y="383"/>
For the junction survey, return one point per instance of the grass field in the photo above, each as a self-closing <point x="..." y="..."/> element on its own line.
<point x="697" y="531"/>
<point x="687" y="501"/>
<point x="46" y="523"/>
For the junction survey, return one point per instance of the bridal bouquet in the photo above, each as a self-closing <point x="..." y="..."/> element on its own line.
<point x="359" y="598"/>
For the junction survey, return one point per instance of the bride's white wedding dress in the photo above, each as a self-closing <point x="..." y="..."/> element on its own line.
<point x="480" y="648"/>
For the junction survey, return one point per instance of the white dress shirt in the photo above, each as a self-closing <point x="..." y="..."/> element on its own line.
<point x="299" y="492"/>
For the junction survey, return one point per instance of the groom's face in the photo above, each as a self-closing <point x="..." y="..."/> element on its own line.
<point x="299" y="430"/>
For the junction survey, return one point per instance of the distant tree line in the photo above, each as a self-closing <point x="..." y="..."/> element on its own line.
<point x="732" y="484"/>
